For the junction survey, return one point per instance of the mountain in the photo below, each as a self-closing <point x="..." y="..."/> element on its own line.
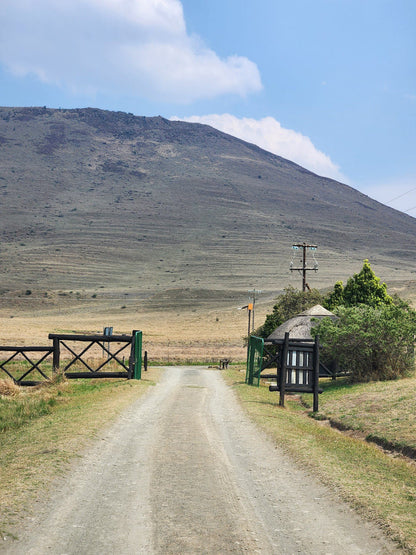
<point x="106" y="203"/>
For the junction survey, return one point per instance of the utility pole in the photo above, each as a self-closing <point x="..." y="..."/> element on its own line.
<point x="249" y="308"/>
<point x="252" y="295"/>
<point x="304" y="268"/>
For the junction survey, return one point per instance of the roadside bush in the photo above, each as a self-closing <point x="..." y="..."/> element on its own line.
<point x="364" y="288"/>
<point x="370" y="343"/>
<point x="290" y="303"/>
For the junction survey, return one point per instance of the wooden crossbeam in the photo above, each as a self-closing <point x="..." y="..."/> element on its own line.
<point x="35" y="365"/>
<point x="113" y="356"/>
<point x="102" y="344"/>
<point x="78" y="357"/>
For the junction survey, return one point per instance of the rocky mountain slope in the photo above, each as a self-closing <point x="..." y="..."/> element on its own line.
<point x="98" y="203"/>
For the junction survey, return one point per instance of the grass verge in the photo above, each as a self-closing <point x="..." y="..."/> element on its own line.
<point x="381" y="487"/>
<point x="43" y="429"/>
<point x="384" y="412"/>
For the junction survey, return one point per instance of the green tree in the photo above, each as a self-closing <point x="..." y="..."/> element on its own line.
<point x="290" y="303"/>
<point x="364" y="288"/>
<point x="336" y="297"/>
<point x="370" y="343"/>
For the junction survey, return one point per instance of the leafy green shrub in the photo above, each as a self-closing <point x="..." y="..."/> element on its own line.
<point x="364" y="288"/>
<point x="370" y="343"/>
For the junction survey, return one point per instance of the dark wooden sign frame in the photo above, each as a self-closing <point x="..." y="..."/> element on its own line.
<point x="298" y="369"/>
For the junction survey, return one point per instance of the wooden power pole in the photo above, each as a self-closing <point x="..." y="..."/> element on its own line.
<point x="252" y="295"/>
<point x="304" y="268"/>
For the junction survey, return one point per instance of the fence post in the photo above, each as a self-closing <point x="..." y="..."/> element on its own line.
<point x="137" y="339"/>
<point x="250" y="361"/>
<point x="316" y="375"/>
<point x="56" y="354"/>
<point x="130" y="374"/>
<point x="283" y="365"/>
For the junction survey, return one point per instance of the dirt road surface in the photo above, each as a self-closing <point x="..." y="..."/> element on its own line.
<point x="184" y="471"/>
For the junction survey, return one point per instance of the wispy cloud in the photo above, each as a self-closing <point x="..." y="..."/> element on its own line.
<point x="136" y="47"/>
<point x="268" y="134"/>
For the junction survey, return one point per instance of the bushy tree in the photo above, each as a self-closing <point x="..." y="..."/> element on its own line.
<point x="336" y="297"/>
<point x="290" y="303"/>
<point x="364" y="288"/>
<point x="371" y="343"/>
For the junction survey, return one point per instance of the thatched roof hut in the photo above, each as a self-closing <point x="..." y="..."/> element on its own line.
<point x="299" y="327"/>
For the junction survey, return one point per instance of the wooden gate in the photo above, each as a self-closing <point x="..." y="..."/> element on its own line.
<point x="33" y="365"/>
<point x="66" y="347"/>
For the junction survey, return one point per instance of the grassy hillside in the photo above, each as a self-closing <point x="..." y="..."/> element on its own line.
<point x="100" y="200"/>
<point x="382" y="412"/>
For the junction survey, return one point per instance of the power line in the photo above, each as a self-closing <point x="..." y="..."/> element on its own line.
<point x="402" y="195"/>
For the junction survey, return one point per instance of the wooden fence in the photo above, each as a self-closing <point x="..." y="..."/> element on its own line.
<point x="32" y="365"/>
<point x="18" y="372"/>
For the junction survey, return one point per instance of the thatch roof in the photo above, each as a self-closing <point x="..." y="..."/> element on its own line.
<point x="299" y="327"/>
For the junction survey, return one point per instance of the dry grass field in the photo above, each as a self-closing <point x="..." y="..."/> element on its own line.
<point x="178" y="326"/>
<point x="199" y="334"/>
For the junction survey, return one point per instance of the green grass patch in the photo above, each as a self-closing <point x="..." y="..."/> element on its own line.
<point x="385" y="412"/>
<point x="383" y="488"/>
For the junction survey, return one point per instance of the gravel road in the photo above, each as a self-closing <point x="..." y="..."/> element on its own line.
<point x="184" y="471"/>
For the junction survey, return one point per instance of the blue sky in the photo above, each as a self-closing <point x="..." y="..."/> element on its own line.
<point x="329" y="84"/>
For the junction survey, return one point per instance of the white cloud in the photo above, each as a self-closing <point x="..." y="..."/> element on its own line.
<point x="268" y="134"/>
<point x="137" y="47"/>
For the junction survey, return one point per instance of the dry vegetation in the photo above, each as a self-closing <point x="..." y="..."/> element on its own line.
<point x="200" y="334"/>
<point x="205" y="327"/>
<point x="8" y="388"/>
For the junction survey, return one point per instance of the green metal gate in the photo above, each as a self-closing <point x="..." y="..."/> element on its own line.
<point x="254" y="360"/>
<point x="138" y="341"/>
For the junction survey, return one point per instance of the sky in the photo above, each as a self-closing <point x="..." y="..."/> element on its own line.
<point x="328" y="84"/>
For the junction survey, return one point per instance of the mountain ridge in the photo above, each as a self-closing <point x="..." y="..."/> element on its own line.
<point x="92" y="199"/>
